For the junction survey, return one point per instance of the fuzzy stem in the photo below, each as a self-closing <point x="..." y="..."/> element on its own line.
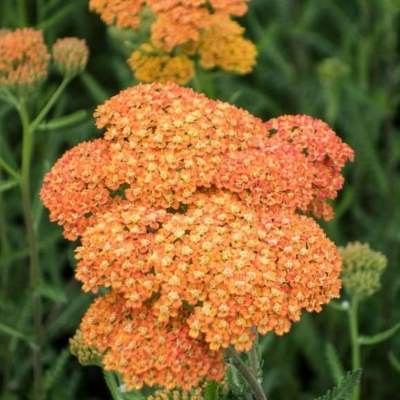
<point x="247" y="374"/>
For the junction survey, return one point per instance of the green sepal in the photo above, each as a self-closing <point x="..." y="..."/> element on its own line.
<point x="343" y="390"/>
<point x="379" y="337"/>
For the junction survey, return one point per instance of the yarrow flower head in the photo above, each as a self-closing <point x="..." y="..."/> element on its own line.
<point x="195" y="215"/>
<point x="150" y="66"/>
<point x="24" y="60"/>
<point x="362" y="269"/>
<point x="180" y="32"/>
<point x="70" y="56"/>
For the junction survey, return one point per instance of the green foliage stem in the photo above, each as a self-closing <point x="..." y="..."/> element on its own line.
<point x="343" y="389"/>
<point x="355" y="345"/>
<point x="235" y="360"/>
<point x="27" y="142"/>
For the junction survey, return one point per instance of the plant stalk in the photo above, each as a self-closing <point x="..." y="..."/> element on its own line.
<point x="34" y="272"/>
<point x="355" y="346"/>
<point x="247" y="374"/>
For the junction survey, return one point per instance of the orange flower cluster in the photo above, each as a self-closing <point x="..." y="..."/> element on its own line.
<point x="70" y="55"/>
<point x="193" y="213"/>
<point x="176" y="31"/>
<point x="24" y="59"/>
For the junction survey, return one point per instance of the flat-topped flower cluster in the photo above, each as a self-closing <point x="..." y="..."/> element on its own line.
<point x="195" y="215"/>
<point x="174" y="33"/>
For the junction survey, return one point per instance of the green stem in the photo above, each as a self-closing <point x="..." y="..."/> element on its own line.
<point x="49" y="104"/>
<point x="253" y="356"/>
<point x="32" y="245"/>
<point x="5" y="274"/>
<point x="355" y="346"/>
<point x="247" y="374"/>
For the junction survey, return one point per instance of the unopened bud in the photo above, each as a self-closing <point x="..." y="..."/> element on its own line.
<point x="24" y="60"/>
<point x="70" y="56"/>
<point x="362" y="269"/>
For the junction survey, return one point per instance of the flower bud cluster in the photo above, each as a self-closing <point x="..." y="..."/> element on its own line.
<point x="362" y="269"/>
<point x="24" y="60"/>
<point x="70" y="56"/>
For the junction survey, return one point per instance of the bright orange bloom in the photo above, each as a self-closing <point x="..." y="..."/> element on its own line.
<point x="178" y="26"/>
<point x="122" y="13"/>
<point x="70" y="55"/>
<point x="191" y="210"/>
<point x="145" y="351"/>
<point x="323" y="149"/>
<point x="24" y="59"/>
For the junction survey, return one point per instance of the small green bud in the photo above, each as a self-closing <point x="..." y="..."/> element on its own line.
<point x="70" y="56"/>
<point x="362" y="269"/>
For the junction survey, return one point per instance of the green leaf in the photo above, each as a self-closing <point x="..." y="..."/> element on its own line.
<point x="335" y="365"/>
<point x="134" y="395"/>
<point x="57" y="17"/>
<point x="343" y="390"/>
<point x="236" y="383"/>
<point x="394" y="361"/>
<point x="63" y="122"/>
<point x="211" y="391"/>
<point x="112" y="384"/>
<point x="15" y="333"/>
<point x="379" y="337"/>
<point x="54" y="372"/>
<point x="5" y="185"/>
<point x="51" y="293"/>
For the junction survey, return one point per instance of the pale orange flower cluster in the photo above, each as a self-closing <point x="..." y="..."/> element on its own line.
<point x="194" y="214"/>
<point x="24" y="59"/>
<point x="179" y="31"/>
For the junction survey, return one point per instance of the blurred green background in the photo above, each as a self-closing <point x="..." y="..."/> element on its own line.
<point x="335" y="60"/>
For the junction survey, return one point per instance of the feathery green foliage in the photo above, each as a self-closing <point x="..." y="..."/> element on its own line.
<point x="343" y="390"/>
